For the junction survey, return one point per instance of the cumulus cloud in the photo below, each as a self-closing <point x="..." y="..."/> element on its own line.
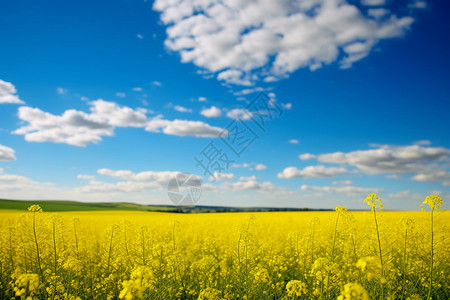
<point x="390" y="159"/>
<point x="212" y="112"/>
<point x="221" y="176"/>
<point x="252" y="183"/>
<point x="8" y="93"/>
<point x="244" y="165"/>
<point x="131" y="182"/>
<point x="79" y="128"/>
<point x="183" y="128"/>
<point x="239" y="113"/>
<point x="260" y="167"/>
<point x="182" y="109"/>
<point x="7" y="154"/>
<point x="306" y="156"/>
<point x="318" y="171"/>
<point x="347" y="190"/>
<point x="244" y="41"/>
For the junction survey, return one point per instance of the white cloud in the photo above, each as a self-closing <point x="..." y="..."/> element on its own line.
<point x="140" y="36"/>
<point x="347" y="190"/>
<point x="244" y="41"/>
<point x="156" y="83"/>
<point x="137" y="89"/>
<point x="252" y="183"/>
<point x="418" y="4"/>
<point x="378" y="12"/>
<point x="250" y="91"/>
<point x="293" y="141"/>
<point x="318" y="171"/>
<point x="390" y="159"/>
<point x="183" y="128"/>
<point x="306" y="156"/>
<point x="244" y="165"/>
<point x="121" y="95"/>
<point x="6" y="154"/>
<point x="373" y="2"/>
<point x="342" y="182"/>
<point x="8" y="93"/>
<point x="239" y="113"/>
<point x="85" y="177"/>
<point x="260" y="167"/>
<point x="133" y="182"/>
<point x="182" y="109"/>
<point x="212" y="112"/>
<point x="433" y="176"/>
<point x="79" y="128"/>
<point x="422" y="142"/>
<point x="61" y="91"/>
<point x="286" y="105"/>
<point x="202" y="99"/>
<point x="221" y="176"/>
<point x="407" y="195"/>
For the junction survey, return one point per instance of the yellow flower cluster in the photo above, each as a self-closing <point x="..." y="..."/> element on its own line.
<point x="35" y="208"/>
<point x="374" y="201"/>
<point x="434" y="201"/>
<point x="353" y="291"/>
<point x="26" y="286"/>
<point x="296" y="288"/>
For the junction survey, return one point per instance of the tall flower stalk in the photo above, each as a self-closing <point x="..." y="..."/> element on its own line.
<point x="375" y="202"/>
<point x="434" y="202"/>
<point x="36" y="209"/>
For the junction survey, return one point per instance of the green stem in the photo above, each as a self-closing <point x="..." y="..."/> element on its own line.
<point x="37" y="246"/>
<point x="432" y="255"/>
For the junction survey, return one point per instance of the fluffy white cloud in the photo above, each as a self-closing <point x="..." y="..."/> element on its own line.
<point x="293" y="141"/>
<point x="132" y="182"/>
<point x="221" y="176"/>
<point x="183" y="128"/>
<point x="246" y="40"/>
<point x="306" y="156"/>
<point x="8" y="93"/>
<point x="347" y="190"/>
<point x="390" y="159"/>
<point x="79" y="128"/>
<point x="182" y="109"/>
<point x="318" y="171"/>
<point x="260" y="167"/>
<point x="7" y="154"/>
<point x="244" y="165"/>
<point x="212" y="112"/>
<point x="252" y="183"/>
<point x="239" y="113"/>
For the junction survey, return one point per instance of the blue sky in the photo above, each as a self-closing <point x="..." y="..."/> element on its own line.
<point x="107" y="101"/>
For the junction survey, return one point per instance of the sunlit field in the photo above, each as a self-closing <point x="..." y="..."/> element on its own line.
<point x="279" y="255"/>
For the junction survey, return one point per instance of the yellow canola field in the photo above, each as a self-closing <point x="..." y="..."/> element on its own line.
<point x="275" y="255"/>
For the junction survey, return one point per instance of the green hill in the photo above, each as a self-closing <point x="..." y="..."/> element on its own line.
<point x="60" y="205"/>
